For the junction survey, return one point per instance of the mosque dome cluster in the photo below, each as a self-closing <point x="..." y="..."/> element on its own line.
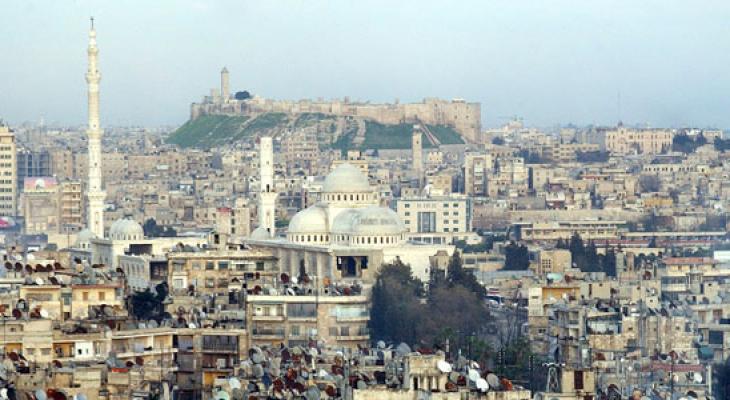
<point x="347" y="214"/>
<point x="126" y="229"/>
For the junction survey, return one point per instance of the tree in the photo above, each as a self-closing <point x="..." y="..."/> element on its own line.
<point x="149" y="304"/>
<point x="396" y="293"/>
<point x="458" y="276"/>
<point x="649" y="183"/>
<point x="152" y="229"/>
<point x="722" y="374"/>
<point x="244" y="95"/>
<point x="516" y="257"/>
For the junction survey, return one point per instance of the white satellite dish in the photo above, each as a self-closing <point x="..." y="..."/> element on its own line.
<point x="222" y="395"/>
<point x="474" y="375"/>
<point x="443" y="366"/>
<point x="493" y="381"/>
<point x="80" y="396"/>
<point x="482" y="385"/>
<point x="697" y="378"/>
<point x="40" y="394"/>
<point x="234" y="383"/>
<point x="38" y="281"/>
<point x="43" y="313"/>
<point x="290" y="292"/>
<point x="192" y="326"/>
<point x="4" y="393"/>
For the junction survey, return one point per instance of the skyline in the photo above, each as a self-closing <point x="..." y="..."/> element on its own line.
<point x="530" y="60"/>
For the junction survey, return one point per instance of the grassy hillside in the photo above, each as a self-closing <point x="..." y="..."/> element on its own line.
<point x="217" y="130"/>
<point x="208" y="131"/>
<point x="380" y="136"/>
<point x="214" y="130"/>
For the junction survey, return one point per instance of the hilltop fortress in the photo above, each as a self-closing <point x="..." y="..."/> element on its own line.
<point x="464" y="117"/>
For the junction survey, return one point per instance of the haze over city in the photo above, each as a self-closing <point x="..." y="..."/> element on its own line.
<point x="660" y="63"/>
<point x="364" y="200"/>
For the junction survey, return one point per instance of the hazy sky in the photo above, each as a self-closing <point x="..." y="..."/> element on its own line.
<point x="546" y="61"/>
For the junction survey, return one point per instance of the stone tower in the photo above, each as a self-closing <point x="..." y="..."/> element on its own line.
<point x="267" y="195"/>
<point x="95" y="195"/>
<point x="417" y="149"/>
<point x="225" y="86"/>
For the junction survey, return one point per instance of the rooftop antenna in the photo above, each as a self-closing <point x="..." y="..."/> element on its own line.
<point x="92" y="23"/>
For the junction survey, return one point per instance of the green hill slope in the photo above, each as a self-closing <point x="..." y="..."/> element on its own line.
<point x="208" y="131"/>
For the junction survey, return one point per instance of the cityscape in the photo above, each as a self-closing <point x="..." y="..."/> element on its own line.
<point x="263" y="246"/>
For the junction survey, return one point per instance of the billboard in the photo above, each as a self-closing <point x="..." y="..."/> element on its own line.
<point x="39" y="183"/>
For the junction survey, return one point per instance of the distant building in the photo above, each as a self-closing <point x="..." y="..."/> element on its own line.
<point x="32" y="164"/>
<point x="8" y="173"/>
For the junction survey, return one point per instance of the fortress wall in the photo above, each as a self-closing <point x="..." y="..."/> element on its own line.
<point x="463" y="117"/>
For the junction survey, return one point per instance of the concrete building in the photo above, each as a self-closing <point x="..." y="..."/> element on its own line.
<point x="624" y="140"/>
<point x="8" y="173"/>
<point x="436" y="219"/>
<point x="33" y="164"/>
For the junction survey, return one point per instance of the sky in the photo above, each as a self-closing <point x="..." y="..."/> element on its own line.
<point x="657" y="63"/>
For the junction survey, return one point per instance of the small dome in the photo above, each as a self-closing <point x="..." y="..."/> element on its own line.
<point x="345" y="221"/>
<point x="346" y="178"/>
<point x="378" y="221"/>
<point x="260" y="233"/>
<point x="83" y="238"/>
<point x="126" y="229"/>
<point x="372" y="221"/>
<point x="309" y="220"/>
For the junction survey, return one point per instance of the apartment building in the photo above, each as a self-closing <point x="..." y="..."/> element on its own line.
<point x="8" y="173"/>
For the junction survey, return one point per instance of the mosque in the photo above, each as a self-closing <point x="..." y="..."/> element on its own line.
<point x="346" y="234"/>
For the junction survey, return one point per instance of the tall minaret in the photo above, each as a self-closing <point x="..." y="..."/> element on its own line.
<point x="417" y="150"/>
<point x="267" y="195"/>
<point x="225" y="86"/>
<point x="94" y="194"/>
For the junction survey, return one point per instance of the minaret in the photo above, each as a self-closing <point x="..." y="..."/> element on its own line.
<point x="225" y="86"/>
<point x="267" y="195"/>
<point x="417" y="149"/>
<point x="94" y="194"/>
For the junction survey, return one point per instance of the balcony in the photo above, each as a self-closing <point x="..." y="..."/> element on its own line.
<point x="267" y="333"/>
<point x="220" y="348"/>
<point x="265" y="318"/>
<point x="353" y="338"/>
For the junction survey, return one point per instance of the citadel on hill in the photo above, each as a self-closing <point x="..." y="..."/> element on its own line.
<point x="463" y="117"/>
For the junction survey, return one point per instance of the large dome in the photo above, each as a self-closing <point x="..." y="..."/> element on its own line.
<point x="346" y="178"/>
<point x="309" y="220"/>
<point x="83" y="238"/>
<point x="374" y="221"/>
<point x="126" y="229"/>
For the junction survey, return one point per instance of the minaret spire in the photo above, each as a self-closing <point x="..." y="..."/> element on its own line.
<point x="95" y="195"/>
<point x="267" y="192"/>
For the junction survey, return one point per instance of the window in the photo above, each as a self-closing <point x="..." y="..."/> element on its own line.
<point x="295" y="331"/>
<point x="333" y="331"/>
<point x="196" y="265"/>
<point x="102" y="296"/>
<point x="222" y="265"/>
<point x="209" y="265"/>
<point x="85" y="296"/>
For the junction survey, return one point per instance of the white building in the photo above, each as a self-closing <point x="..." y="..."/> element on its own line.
<point x="346" y="234"/>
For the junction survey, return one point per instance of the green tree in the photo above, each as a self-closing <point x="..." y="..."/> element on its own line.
<point x="516" y="257"/>
<point x="149" y="304"/>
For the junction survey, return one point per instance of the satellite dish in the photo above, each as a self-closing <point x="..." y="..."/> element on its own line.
<point x="697" y="378"/>
<point x="474" y="375"/>
<point x="381" y="344"/>
<point x="222" y="395"/>
<point x="443" y="366"/>
<point x="234" y="383"/>
<point x="38" y="281"/>
<point x="4" y="394"/>
<point x="40" y="394"/>
<point x="482" y="385"/>
<point x="290" y="292"/>
<point x="192" y="326"/>
<point x="312" y="393"/>
<point x="403" y="349"/>
<point x="43" y="313"/>
<point x="493" y="381"/>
